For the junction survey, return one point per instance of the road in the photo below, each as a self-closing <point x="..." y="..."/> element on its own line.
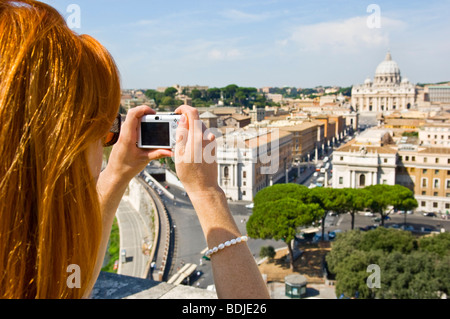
<point x="132" y="234"/>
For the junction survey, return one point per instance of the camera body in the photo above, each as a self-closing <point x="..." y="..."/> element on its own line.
<point x="158" y="131"/>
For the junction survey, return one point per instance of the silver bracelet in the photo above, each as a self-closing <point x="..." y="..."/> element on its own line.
<point x="229" y="243"/>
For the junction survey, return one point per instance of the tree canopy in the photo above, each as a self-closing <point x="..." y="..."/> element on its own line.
<point x="409" y="267"/>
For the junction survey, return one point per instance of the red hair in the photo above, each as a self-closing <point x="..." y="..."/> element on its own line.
<point x="59" y="93"/>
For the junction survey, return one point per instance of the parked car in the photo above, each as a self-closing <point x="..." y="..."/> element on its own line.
<point x="430" y="214"/>
<point x="250" y="206"/>
<point x="407" y="227"/>
<point x="332" y="234"/>
<point x="367" y="228"/>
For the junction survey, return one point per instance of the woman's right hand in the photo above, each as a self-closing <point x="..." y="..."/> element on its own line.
<point x="195" y="153"/>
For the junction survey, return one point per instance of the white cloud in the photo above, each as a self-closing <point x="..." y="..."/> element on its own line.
<point x="341" y="36"/>
<point x="224" y="54"/>
<point x="237" y="15"/>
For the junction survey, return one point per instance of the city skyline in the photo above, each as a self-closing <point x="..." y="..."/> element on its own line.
<point x="266" y="43"/>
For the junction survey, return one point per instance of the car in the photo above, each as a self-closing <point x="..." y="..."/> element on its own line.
<point x="429" y="214"/>
<point x="407" y="227"/>
<point x="367" y="228"/>
<point x="332" y="234"/>
<point x="250" y="206"/>
<point x="378" y="219"/>
<point x="369" y="214"/>
<point x="316" y="174"/>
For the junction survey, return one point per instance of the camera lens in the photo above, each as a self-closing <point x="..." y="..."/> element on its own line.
<point x="157" y="118"/>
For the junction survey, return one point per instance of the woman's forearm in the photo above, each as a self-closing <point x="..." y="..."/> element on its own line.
<point x="236" y="274"/>
<point x="110" y="190"/>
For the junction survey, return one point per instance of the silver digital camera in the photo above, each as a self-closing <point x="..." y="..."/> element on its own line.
<point x="158" y="131"/>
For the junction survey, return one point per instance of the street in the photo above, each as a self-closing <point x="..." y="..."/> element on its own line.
<point x="190" y="243"/>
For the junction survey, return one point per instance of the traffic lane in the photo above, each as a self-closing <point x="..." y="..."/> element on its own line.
<point x="189" y="239"/>
<point x="132" y="233"/>
<point x="343" y="222"/>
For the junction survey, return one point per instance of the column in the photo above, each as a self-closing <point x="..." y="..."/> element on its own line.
<point x="352" y="178"/>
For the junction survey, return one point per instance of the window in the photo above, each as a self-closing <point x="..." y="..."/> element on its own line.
<point x="342" y="158"/>
<point x="447" y="182"/>
<point x="362" y="180"/>
<point x="436" y="183"/>
<point x="425" y="160"/>
<point x="244" y="174"/>
<point x="413" y="158"/>
<point x="436" y="160"/>
<point x="341" y="180"/>
<point x="435" y="205"/>
<point x="435" y="194"/>
<point x="425" y="171"/>
<point x="424" y="193"/>
<point x="226" y="172"/>
<point x="385" y="160"/>
<point x="436" y="172"/>
<point x="422" y="203"/>
<point x="424" y="182"/>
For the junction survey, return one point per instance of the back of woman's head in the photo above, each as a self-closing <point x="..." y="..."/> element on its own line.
<point x="59" y="92"/>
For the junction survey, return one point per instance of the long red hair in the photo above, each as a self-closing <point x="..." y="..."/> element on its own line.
<point x="59" y="92"/>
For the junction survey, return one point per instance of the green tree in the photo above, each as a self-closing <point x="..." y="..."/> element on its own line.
<point x="171" y="92"/>
<point x="196" y="94"/>
<point x="279" y="220"/>
<point x="326" y="198"/>
<point x="409" y="268"/>
<point x="267" y="251"/>
<point x="213" y="94"/>
<point x="352" y="200"/>
<point x="384" y="199"/>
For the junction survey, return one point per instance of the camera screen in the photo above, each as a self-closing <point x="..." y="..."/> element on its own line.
<point x="155" y="134"/>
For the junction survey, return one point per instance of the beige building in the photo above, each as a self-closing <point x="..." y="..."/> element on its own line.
<point x="252" y="159"/>
<point x="435" y="134"/>
<point x="426" y="171"/>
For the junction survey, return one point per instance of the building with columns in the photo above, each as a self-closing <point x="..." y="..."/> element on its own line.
<point x="387" y="92"/>
<point x="252" y="159"/>
<point x="367" y="160"/>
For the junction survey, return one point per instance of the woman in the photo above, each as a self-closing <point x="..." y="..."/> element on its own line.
<point x="59" y="97"/>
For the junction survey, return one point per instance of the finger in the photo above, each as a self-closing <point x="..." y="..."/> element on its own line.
<point x="158" y="154"/>
<point x="135" y="114"/>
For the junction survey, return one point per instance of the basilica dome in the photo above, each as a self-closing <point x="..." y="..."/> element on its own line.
<point x="388" y="67"/>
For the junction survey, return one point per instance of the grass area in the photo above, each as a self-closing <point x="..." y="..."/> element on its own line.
<point x="113" y="248"/>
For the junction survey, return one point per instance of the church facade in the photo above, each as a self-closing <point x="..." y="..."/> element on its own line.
<point x="386" y="93"/>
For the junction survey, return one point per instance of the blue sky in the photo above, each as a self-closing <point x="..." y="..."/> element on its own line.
<point x="267" y="42"/>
